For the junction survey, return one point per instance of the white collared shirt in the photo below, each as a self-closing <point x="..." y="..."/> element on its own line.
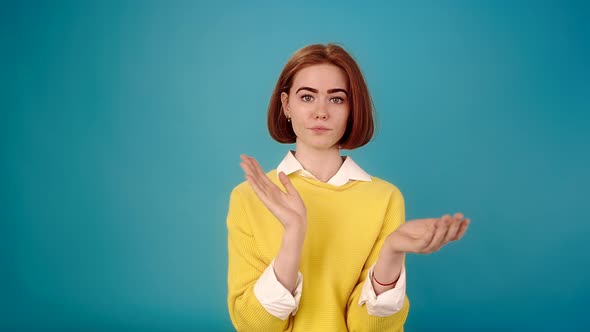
<point x="279" y="302"/>
<point x="349" y="170"/>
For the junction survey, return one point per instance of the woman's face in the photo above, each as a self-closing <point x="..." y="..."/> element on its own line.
<point x="318" y="106"/>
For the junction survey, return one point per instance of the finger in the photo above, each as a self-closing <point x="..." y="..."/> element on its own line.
<point x="262" y="178"/>
<point x="454" y="227"/>
<point x="246" y="166"/>
<point x="253" y="179"/>
<point x="287" y="184"/>
<point x="248" y="169"/>
<point x="442" y="228"/>
<point x="429" y="234"/>
<point x="256" y="166"/>
<point x="247" y="160"/>
<point x="257" y="174"/>
<point x="462" y="229"/>
<point x="458" y="216"/>
<point x="254" y="183"/>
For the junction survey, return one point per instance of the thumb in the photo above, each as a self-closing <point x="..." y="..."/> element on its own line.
<point x="287" y="184"/>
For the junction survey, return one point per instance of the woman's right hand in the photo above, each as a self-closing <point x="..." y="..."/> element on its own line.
<point x="287" y="207"/>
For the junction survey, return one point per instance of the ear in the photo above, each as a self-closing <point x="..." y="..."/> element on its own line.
<point x="285" y="103"/>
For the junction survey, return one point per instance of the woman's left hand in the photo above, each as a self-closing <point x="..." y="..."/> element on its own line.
<point x="428" y="235"/>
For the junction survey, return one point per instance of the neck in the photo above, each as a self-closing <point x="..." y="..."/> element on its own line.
<point x="323" y="164"/>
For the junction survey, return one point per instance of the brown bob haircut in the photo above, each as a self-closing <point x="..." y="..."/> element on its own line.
<point x="360" y="126"/>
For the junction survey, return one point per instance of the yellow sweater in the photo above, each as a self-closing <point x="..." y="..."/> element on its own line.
<point x="346" y="228"/>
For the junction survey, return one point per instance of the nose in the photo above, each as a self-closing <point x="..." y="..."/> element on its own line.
<point x="321" y="113"/>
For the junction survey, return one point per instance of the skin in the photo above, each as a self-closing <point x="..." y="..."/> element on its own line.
<point x="319" y="98"/>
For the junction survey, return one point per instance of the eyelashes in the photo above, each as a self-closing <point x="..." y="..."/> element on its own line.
<point x="337" y="100"/>
<point x="310" y="98"/>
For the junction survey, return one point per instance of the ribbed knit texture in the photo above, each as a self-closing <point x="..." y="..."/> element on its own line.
<point x="346" y="227"/>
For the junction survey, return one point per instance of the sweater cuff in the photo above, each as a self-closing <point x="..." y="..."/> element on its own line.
<point x="274" y="297"/>
<point x="388" y="302"/>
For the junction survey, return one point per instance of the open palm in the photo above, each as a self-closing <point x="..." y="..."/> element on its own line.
<point x="287" y="207"/>
<point x="428" y="235"/>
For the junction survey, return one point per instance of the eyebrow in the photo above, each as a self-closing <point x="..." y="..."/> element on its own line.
<point x="316" y="90"/>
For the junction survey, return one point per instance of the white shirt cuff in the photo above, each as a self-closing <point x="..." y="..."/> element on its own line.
<point x="274" y="297"/>
<point x="388" y="302"/>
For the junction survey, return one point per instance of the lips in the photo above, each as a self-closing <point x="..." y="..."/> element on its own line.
<point x="319" y="129"/>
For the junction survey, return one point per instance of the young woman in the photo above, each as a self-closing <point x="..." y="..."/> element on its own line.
<point x="318" y="244"/>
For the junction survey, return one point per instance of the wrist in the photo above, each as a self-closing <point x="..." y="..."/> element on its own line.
<point x="390" y="246"/>
<point x="296" y="227"/>
<point x="295" y="233"/>
<point x="387" y="271"/>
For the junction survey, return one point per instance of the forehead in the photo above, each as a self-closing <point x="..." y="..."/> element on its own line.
<point x="321" y="77"/>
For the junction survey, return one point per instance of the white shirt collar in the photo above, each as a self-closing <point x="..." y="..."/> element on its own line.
<point x="349" y="170"/>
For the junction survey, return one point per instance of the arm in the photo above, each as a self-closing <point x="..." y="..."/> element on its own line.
<point x="289" y="210"/>
<point x="245" y="267"/>
<point x="246" y="287"/>
<point x="384" y="303"/>
<point x="358" y="317"/>
<point x="276" y="296"/>
<point x="418" y="236"/>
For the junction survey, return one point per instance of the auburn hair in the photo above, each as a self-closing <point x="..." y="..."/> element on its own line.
<point x="360" y="126"/>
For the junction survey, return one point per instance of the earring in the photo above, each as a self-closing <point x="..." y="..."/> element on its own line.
<point x="286" y="115"/>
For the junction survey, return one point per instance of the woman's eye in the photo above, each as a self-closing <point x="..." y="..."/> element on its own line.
<point x="306" y="98"/>
<point x="337" y="100"/>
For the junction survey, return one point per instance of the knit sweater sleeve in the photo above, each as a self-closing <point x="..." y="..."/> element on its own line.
<point x="358" y="318"/>
<point x="245" y="267"/>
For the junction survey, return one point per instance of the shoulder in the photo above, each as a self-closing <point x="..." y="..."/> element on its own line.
<point x="384" y="185"/>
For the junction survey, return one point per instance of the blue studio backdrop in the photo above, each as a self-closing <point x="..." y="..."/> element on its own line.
<point x="122" y="124"/>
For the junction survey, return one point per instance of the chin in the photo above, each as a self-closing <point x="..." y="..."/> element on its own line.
<point x="325" y="146"/>
<point x="320" y="144"/>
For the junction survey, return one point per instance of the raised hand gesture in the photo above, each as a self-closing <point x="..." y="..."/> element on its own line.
<point x="428" y="235"/>
<point x="287" y="207"/>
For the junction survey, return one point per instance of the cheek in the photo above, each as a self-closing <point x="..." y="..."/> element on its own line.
<point x="343" y="120"/>
<point x="297" y="123"/>
<point x="298" y="109"/>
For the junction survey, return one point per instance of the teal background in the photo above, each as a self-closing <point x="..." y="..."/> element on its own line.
<point x="122" y="123"/>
